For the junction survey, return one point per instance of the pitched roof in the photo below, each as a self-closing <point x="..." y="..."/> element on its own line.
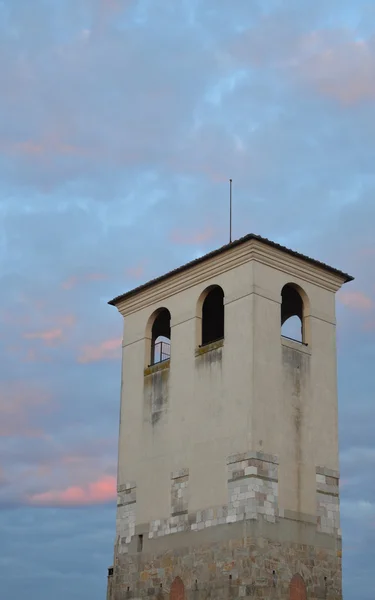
<point x="201" y="259"/>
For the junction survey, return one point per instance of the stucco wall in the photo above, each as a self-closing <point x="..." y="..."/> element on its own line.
<point x="228" y="454"/>
<point x="258" y="391"/>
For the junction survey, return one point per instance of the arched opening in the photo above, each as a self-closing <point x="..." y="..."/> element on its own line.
<point x="292" y="313"/>
<point x="177" y="590"/>
<point x="161" y="337"/>
<point x="213" y="316"/>
<point x="297" y="588"/>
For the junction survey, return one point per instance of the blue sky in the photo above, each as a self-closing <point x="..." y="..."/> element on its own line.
<point x="121" y="122"/>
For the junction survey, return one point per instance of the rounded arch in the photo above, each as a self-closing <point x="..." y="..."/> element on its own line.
<point x="295" y="308"/>
<point x="297" y="588"/>
<point x="177" y="589"/>
<point x="210" y="315"/>
<point x="158" y="336"/>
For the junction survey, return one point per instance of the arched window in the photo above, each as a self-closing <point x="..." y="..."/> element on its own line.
<point x="292" y="313"/>
<point x="297" y="588"/>
<point x="177" y="590"/>
<point x="213" y="315"/>
<point x="161" y="336"/>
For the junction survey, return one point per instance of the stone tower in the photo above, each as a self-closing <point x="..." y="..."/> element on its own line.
<point x="228" y="482"/>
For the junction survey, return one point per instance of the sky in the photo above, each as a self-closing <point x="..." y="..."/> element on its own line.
<point x="121" y="122"/>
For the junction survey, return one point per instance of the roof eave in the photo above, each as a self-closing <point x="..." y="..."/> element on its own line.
<point x="251" y="236"/>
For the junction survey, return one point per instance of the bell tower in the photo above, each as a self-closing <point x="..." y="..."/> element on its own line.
<point x="228" y="471"/>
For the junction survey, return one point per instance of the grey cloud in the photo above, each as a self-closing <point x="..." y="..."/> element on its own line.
<point x="54" y="550"/>
<point x="127" y="135"/>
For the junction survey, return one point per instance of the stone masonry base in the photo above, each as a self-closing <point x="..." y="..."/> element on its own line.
<point x="248" y="559"/>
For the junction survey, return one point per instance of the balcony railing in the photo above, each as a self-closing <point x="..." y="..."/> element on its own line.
<point x="161" y="352"/>
<point x="294" y="340"/>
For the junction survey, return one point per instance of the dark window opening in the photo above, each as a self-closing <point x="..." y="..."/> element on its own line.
<point x="292" y="314"/>
<point x="140" y="543"/>
<point x="161" y="337"/>
<point x="213" y="316"/>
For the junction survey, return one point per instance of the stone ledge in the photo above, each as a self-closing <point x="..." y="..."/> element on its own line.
<point x="327" y="472"/>
<point x="294" y="515"/>
<point x="252" y="454"/>
<point x="180" y="473"/>
<point x="295" y="345"/>
<point x="125" y="487"/>
<point x="126" y="503"/>
<point x="329" y="493"/>
<point x="252" y="476"/>
<point x="179" y="513"/>
<point x="331" y="490"/>
<point x="158" y="367"/>
<point x="209" y="347"/>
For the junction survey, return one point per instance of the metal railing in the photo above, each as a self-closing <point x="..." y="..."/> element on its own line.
<point x="161" y="351"/>
<point x="294" y="340"/>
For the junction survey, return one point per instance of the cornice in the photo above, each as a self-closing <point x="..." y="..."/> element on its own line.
<point x="234" y="257"/>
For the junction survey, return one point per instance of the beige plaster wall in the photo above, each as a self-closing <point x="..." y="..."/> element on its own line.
<point x="258" y="392"/>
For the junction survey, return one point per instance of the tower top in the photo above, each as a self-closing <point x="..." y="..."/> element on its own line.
<point x="223" y="249"/>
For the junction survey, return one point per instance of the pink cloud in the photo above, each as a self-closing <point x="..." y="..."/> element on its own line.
<point x="198" y="165"/>
<point x="333" y="61"/>
<point x="67" y="320"/>
<point x="136" y="272"/>
<point x="343" y="482"/>
<point x="69" y="283"/>
<point x="50" y="145"/>
<point x="339" y="66"/>
<point x="43" y="149"/>
<point x="20" y="405"/>
<point x="115" y="5"/>
<point x="73" y="281"/>
<point x="192" y="238"/>
<point x="107" y="350"/>
<point x="48" y="336"/>
<point x="367" y="252"/>
<point x="369" y="326"/>
<point x="15" y="318"/>
<point x="98" y="492"/>
<point x="355" y="300"/>
<point x="96" y="277"/>
<point x="55" y="334"/>
<point x="110" y="4"/>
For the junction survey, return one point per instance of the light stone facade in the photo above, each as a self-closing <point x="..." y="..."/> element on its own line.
<point x="126" y="513"/>
<point x="228" y="455"/>
<point x="328" y="504"/>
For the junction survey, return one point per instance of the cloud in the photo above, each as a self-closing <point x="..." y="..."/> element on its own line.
<point x="355" y="300"/>
<point x="74" y="280"/>
<point x="114" y="164"/>
<point x="136" y="272"/>
<point x="369" y="325"/>
<point x="101" y="491"/>
<point x="192" y="238"/>
<point x="340" y="66"/>
<point x="42" y="149"/>
<point x="50" y="336"/>
<point x="330" y="60"/>
<point x="107" y="350"/>
<point x="46" y="336"/>
<point x="21" y="404"/>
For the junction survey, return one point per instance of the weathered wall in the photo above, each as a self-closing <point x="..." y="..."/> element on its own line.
<point x="234" y="444"/>
<point x="241" y="560"/>
<point x="256" y="391"/>
<point x="250" y="546"/>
